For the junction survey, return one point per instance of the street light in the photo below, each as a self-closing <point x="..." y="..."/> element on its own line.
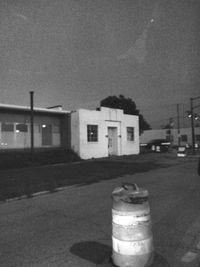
<point x="192" y="117"/>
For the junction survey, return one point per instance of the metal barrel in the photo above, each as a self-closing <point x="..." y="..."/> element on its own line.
<point x="132" y="239"/>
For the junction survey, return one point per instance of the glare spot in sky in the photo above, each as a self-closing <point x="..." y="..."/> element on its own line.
<point x="139" y="50"/>
<point x="21" y="16"/>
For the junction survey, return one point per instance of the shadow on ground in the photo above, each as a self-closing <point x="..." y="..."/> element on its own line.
<point x="100" y="254"/>
<point x="159" y="261"/>
<point x="91" y="251"/>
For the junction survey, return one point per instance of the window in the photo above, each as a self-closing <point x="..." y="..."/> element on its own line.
<point x="21" y="128"/>
<point x="130" y="133"/>
<point x="197" y="137"/>
<point x="92" y="133"/>
<point x="7" y="127"/>
<point x="184" y="137"/>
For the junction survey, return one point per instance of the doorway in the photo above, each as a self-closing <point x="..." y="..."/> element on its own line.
<point x="112" y="141"/>
<point x="46" y="135"/>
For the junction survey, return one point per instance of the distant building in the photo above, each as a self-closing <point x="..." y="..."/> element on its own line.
<point x="185" y="136"/>
<point x="90" y="133"/>
<point x="105" y="132"/>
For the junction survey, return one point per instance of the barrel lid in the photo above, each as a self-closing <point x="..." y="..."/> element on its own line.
<point x="130" y="193"/>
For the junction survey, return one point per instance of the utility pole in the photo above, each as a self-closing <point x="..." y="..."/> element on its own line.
<point x="32" y="124"/>
<point x="192" y="121"/>
<point x="192" y="125"/>
<point x="178" y="125"/>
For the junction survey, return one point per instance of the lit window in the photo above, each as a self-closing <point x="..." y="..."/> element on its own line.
<point x="21" y="128"/>
<point x="130" y="133"/>
<point x="92" y="133"/>
<point x="184" y="138"/>
<point x="7" y="127"/>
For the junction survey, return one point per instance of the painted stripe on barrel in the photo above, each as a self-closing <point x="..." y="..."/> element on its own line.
<point x="131" y="232"/>
<point x="133" y="247"/>
<point x="130" y="219"/>
<point x="134" y="212"/>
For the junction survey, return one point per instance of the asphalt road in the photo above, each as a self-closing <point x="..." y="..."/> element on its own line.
<point x="73" y="227"/>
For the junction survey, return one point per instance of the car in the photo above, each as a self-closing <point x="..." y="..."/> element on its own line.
<point x="159" y="145"/>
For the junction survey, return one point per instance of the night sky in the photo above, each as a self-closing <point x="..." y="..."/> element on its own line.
<point x="77" y="52"/>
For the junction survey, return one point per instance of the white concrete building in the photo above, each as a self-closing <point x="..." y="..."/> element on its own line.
<point x="103" y="133"/>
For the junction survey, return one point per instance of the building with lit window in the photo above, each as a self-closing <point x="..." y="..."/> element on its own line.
<point x="89" y="133"/>
<point x="51" y="127"/>
<point x="105" y="132"/>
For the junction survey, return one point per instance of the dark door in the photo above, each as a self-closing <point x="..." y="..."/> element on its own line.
<point x="46" y="135"/>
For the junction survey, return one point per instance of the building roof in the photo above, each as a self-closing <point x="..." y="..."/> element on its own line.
<point x="35" y="109"/>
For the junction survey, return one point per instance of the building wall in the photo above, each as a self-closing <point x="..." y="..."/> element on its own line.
<point x="75" y="132"/>
<point x="53" y="130"/>
<point x="129" y="146"/>
<point x="20" y="139"/>
<point x="115" y="120"/>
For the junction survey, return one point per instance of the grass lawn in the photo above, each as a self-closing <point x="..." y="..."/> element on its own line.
<point x="26" y="181"/>
<point x="23" y="158"/>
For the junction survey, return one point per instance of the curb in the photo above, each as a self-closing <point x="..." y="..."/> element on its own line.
<point x="55" y="190"/>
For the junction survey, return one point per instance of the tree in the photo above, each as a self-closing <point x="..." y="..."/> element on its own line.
<point x="128" y="106"/>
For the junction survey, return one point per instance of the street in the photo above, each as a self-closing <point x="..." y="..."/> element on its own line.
<point x="73" y="227"/>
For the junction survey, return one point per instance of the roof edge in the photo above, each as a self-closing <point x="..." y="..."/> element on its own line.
<point x="37" y="109"/>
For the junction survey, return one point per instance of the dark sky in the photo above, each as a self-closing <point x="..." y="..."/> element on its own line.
<point x="77" y="52"/>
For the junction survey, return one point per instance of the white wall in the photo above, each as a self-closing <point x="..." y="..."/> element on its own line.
<point x="92" y="149"/>
<point x="130" y="147"/>
<point x="104" y="118"/>
<point x="75" y="132"/>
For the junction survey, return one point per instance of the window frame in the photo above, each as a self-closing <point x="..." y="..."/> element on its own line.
<point x="8" y="124"/>
<point x="92" y="133"/>
<point x="21" y="129"/>
<point x="130" y="134"/>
